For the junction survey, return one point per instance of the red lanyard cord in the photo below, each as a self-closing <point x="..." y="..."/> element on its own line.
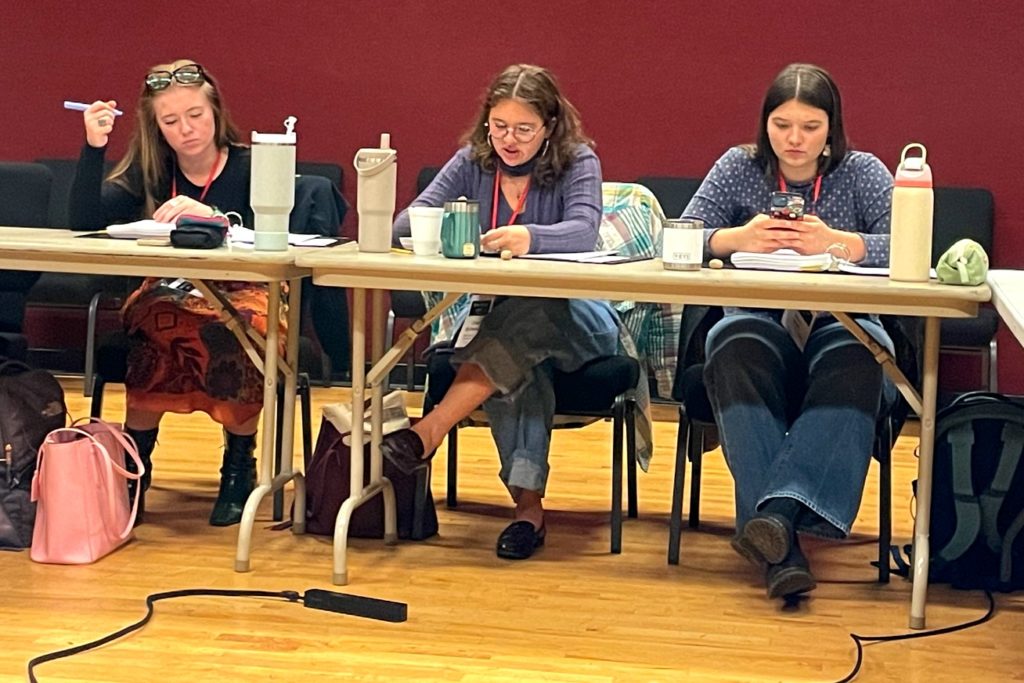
<point x="206" y="187"/>
<point x="519" y="207"/>
<point x="815" y="194"/>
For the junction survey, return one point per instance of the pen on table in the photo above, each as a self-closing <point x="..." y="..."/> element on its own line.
<point x="82" y="106"/>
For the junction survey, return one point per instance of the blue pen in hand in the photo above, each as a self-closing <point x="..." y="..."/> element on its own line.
<point x="82" y="106"/>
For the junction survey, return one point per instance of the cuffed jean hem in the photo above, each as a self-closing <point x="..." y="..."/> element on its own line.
<point x="524" y="472"/>
<point x="821" y="524"/>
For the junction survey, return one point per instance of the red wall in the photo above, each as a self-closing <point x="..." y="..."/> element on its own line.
<point x="664" y="87"/>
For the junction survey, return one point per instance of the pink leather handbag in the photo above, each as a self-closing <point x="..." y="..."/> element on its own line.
<point x="82" y="493"/>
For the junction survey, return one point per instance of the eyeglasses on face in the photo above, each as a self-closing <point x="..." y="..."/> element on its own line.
<point x="189" y="74"/>
<point x="522" y="133"/>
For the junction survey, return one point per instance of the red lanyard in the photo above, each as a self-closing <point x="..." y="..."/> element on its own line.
<point x="814" y="197"/>
<point x="519" y="207"/>
<point x="209" y="179"/>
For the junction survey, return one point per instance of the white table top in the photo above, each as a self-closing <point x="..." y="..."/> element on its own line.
<point x="1008" y="297"/>
<point x="65" y="251"/>
<point x="641" y="281"/>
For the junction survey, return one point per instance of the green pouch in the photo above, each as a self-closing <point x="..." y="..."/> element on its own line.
<point x="964" y="263"/>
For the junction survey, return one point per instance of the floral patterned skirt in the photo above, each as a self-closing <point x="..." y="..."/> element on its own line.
<point x="182" y="358"/>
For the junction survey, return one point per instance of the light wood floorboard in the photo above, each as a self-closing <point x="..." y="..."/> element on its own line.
<point x="572" y="613"/>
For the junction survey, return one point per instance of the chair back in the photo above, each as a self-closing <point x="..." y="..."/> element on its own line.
<point x="332" y="172"/>
<point x="425" y="177"/>
<point x="24" y="194"/>
<point x="673" y="193"/>
<point x="962" y="213"/>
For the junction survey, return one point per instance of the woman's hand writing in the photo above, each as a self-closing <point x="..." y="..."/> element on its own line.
<point x="512" y="238"/>
<point x="99" y="122"/>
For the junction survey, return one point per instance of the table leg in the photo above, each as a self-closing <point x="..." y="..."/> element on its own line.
<point x="377" y="478"/>
<point x="926" y="453"/>
<point x="266" y="462"/>
<point x="288" y="472"/>
<point x="340" y="573"/>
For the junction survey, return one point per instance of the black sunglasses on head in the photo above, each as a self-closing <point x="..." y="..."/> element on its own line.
<point x="189" y="74"/>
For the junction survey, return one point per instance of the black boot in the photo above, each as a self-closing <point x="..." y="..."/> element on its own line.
<point x="771" y="532"/>
<point x="145" y="439"/>
<point x="237" y="479"/>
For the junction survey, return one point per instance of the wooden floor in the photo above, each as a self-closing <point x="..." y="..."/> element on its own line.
<point x="572" y="613"/>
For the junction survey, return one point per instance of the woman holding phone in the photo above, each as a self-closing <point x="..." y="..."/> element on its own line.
<point x="796" y="422"/>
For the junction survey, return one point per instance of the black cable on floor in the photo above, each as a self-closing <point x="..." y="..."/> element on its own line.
<point x="860" y="640"/>
<point x="342" y="603"/>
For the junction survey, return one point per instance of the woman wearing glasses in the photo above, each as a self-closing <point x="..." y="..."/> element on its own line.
<point x="184" y="157"/>
<point x="796" y="423"/>
<point x="529" y="164"/>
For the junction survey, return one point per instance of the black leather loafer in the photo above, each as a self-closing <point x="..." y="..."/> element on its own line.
<point x="519" y="540"/>
<point x="404" y="449"/>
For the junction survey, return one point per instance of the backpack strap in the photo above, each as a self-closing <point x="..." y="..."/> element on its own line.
<point x="992" y="497"/>
<point x="968" y="512"/>
<point x="1006" y="554"/>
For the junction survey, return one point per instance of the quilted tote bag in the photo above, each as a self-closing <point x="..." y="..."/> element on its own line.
<point x="81" y="489"/>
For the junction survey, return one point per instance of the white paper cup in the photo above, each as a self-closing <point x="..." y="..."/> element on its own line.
<point x="425" y="225"/>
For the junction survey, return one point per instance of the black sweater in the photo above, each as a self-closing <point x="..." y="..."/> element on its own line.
<point x="95" y="204"/>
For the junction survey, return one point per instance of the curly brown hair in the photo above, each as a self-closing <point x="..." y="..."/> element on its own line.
<point x="536" y="87"/>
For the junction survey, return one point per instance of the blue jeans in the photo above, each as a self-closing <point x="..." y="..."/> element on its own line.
<point x="796" y="423"/>
<point x="521" y="342"/>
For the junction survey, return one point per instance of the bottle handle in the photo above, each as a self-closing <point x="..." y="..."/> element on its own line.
<point x="917" y="163"/>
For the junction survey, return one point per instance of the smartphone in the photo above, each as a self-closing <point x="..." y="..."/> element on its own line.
<point x="787" y="206"/>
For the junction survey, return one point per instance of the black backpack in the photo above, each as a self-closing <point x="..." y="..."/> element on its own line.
<point x="31" y="406"/>
<point x="977" y="519"/>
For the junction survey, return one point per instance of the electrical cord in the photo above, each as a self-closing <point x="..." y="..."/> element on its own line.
<point x="342" y="603"/>
<point x="859" y="640"/>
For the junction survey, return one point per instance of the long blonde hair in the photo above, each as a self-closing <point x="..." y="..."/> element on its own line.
<point x="148" y="149"/>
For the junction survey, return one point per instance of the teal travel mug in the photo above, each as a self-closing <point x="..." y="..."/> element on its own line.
<point x="460" y="229"/>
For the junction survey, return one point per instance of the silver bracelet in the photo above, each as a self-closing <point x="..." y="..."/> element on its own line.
<point x="844" y="250"/>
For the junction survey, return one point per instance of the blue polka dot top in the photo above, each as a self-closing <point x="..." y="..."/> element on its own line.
<point x="856" y="197"/>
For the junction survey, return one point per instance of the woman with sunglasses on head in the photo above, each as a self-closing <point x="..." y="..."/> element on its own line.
<point x="184" y="157"/>
<point x="529" y="164"/>
<point x="796" y="423"/>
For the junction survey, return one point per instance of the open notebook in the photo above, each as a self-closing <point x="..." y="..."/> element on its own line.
<point x="787" y="259"/>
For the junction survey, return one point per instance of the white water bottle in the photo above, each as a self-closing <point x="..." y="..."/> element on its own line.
<point x="910" y="245"/>
<point x="272" y="186"/>
<point x="377" y="170"/>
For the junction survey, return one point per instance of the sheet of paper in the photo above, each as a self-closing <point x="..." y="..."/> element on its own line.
<point x="242" y="236"/>
<point x="577" y="257"/>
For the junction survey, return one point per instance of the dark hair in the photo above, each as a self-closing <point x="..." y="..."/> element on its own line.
<point x="149" y="149"/>
<point x="537" y="88"/>
<point x="813" y="86"/>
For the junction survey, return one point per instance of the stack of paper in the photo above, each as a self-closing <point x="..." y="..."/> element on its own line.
<point x="783" y="259"/>
<point x="147" y="229"/>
